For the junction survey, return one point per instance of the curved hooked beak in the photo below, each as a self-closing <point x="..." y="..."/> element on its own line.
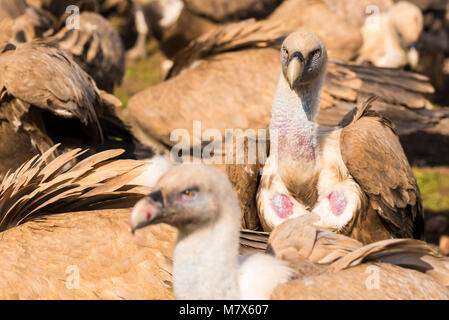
<point x="294" y="70"/>
<point x="147" y="211"/>
<point x="413" y="55"/>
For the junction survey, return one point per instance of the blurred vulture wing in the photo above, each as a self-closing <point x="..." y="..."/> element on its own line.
<point x="96" y="47"/>
<point x="393" y="86"/>
<point x="12" y="8"/>
<point x="401" y="252"/>
<point x="44" y="76"/>
<point x="40" y="186"/>
<point x="253" y="241"/>
<point x="228" y="10"/>
<point x="235" y="36"/>
<point x="375" y="159"/>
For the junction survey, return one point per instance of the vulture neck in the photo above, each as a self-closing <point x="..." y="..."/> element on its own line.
<point x="206" y="259"/>
<point x="293" y="121"/>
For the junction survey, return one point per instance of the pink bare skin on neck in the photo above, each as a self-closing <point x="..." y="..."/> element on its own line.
<point x="282" y="205"/>
<point x="338" y="202"/>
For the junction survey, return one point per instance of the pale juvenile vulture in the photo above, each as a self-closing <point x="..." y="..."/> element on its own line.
<point x="355" y="176"/>
<point x="332" y="266"/>
<point x="50" y="251"/>
<point x="390" y="38"/>
<point x="45" y="97"/>
<point x="199" y="201"/>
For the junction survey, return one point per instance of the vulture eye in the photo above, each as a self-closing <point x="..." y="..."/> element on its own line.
<point x="285" y="52"/>
<point x="315" y="55"/>
<point x="189" y="194"/>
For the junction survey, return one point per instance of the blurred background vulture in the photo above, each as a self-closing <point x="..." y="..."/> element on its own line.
<point x="355" y="177"/>
<point x="96" y="47"/>
<point x="64" y="229"/>
<point x="59" y="103"/>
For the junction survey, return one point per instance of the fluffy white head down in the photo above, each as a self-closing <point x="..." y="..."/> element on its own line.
<point x="155" y="169"/>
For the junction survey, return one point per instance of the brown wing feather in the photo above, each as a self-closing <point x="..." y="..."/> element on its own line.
<point x="53" y="82"/>
<point x="375" y="159"/>
<point x="37" y="187"/>
<point x="96" y="47"/>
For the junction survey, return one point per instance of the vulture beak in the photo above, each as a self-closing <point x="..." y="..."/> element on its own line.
<point x="147" y="211"/>
<point x="412" y="55"/>
<point x="295" y="68"/>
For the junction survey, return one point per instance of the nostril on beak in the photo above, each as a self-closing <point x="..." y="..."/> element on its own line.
<point x="156" y="196"/>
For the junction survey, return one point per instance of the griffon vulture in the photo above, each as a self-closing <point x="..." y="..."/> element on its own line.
<point x="45" y="97"/>
<point x="355" y="176"/>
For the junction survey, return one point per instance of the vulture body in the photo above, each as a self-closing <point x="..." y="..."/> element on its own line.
<point x="226" y="78"/>
<point x="341" y="174"/>
<point x="46" y="98"/>
<point x="175" y="23"/>
<point x="200" y="202"/>
<point x="390" y="38"/>
<point x="65" y="233"/>
<point x="12" y="8"/>
<point x="332" y="266"/>
<point x="94" y="44"/>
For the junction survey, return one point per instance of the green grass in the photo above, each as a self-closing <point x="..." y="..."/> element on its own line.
<point x="434" y="186"/>
<point x="140" y="75"/>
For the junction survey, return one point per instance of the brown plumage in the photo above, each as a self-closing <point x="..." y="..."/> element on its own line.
<point x="42" y="258"/>
<point x="388" y="181"/>
<point x="96" y="47"/>
<point x="59" y="8"/>
<point x="44" y="185"/>
<point x="48" y="244"/>
<point x="20" y="23"/>
<point x="12" y="8"/>
<point x="232" y="81"/>
<point x="201" y="204"/>
<point x="225" y="10"/>
<point x="47" y="98"/>
<point x="331" y="266"/>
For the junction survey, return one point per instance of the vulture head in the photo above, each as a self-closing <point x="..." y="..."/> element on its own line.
<point x="187" y="197"/>
<point x="407" y="19"/>
<point x="303" y="58"/>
